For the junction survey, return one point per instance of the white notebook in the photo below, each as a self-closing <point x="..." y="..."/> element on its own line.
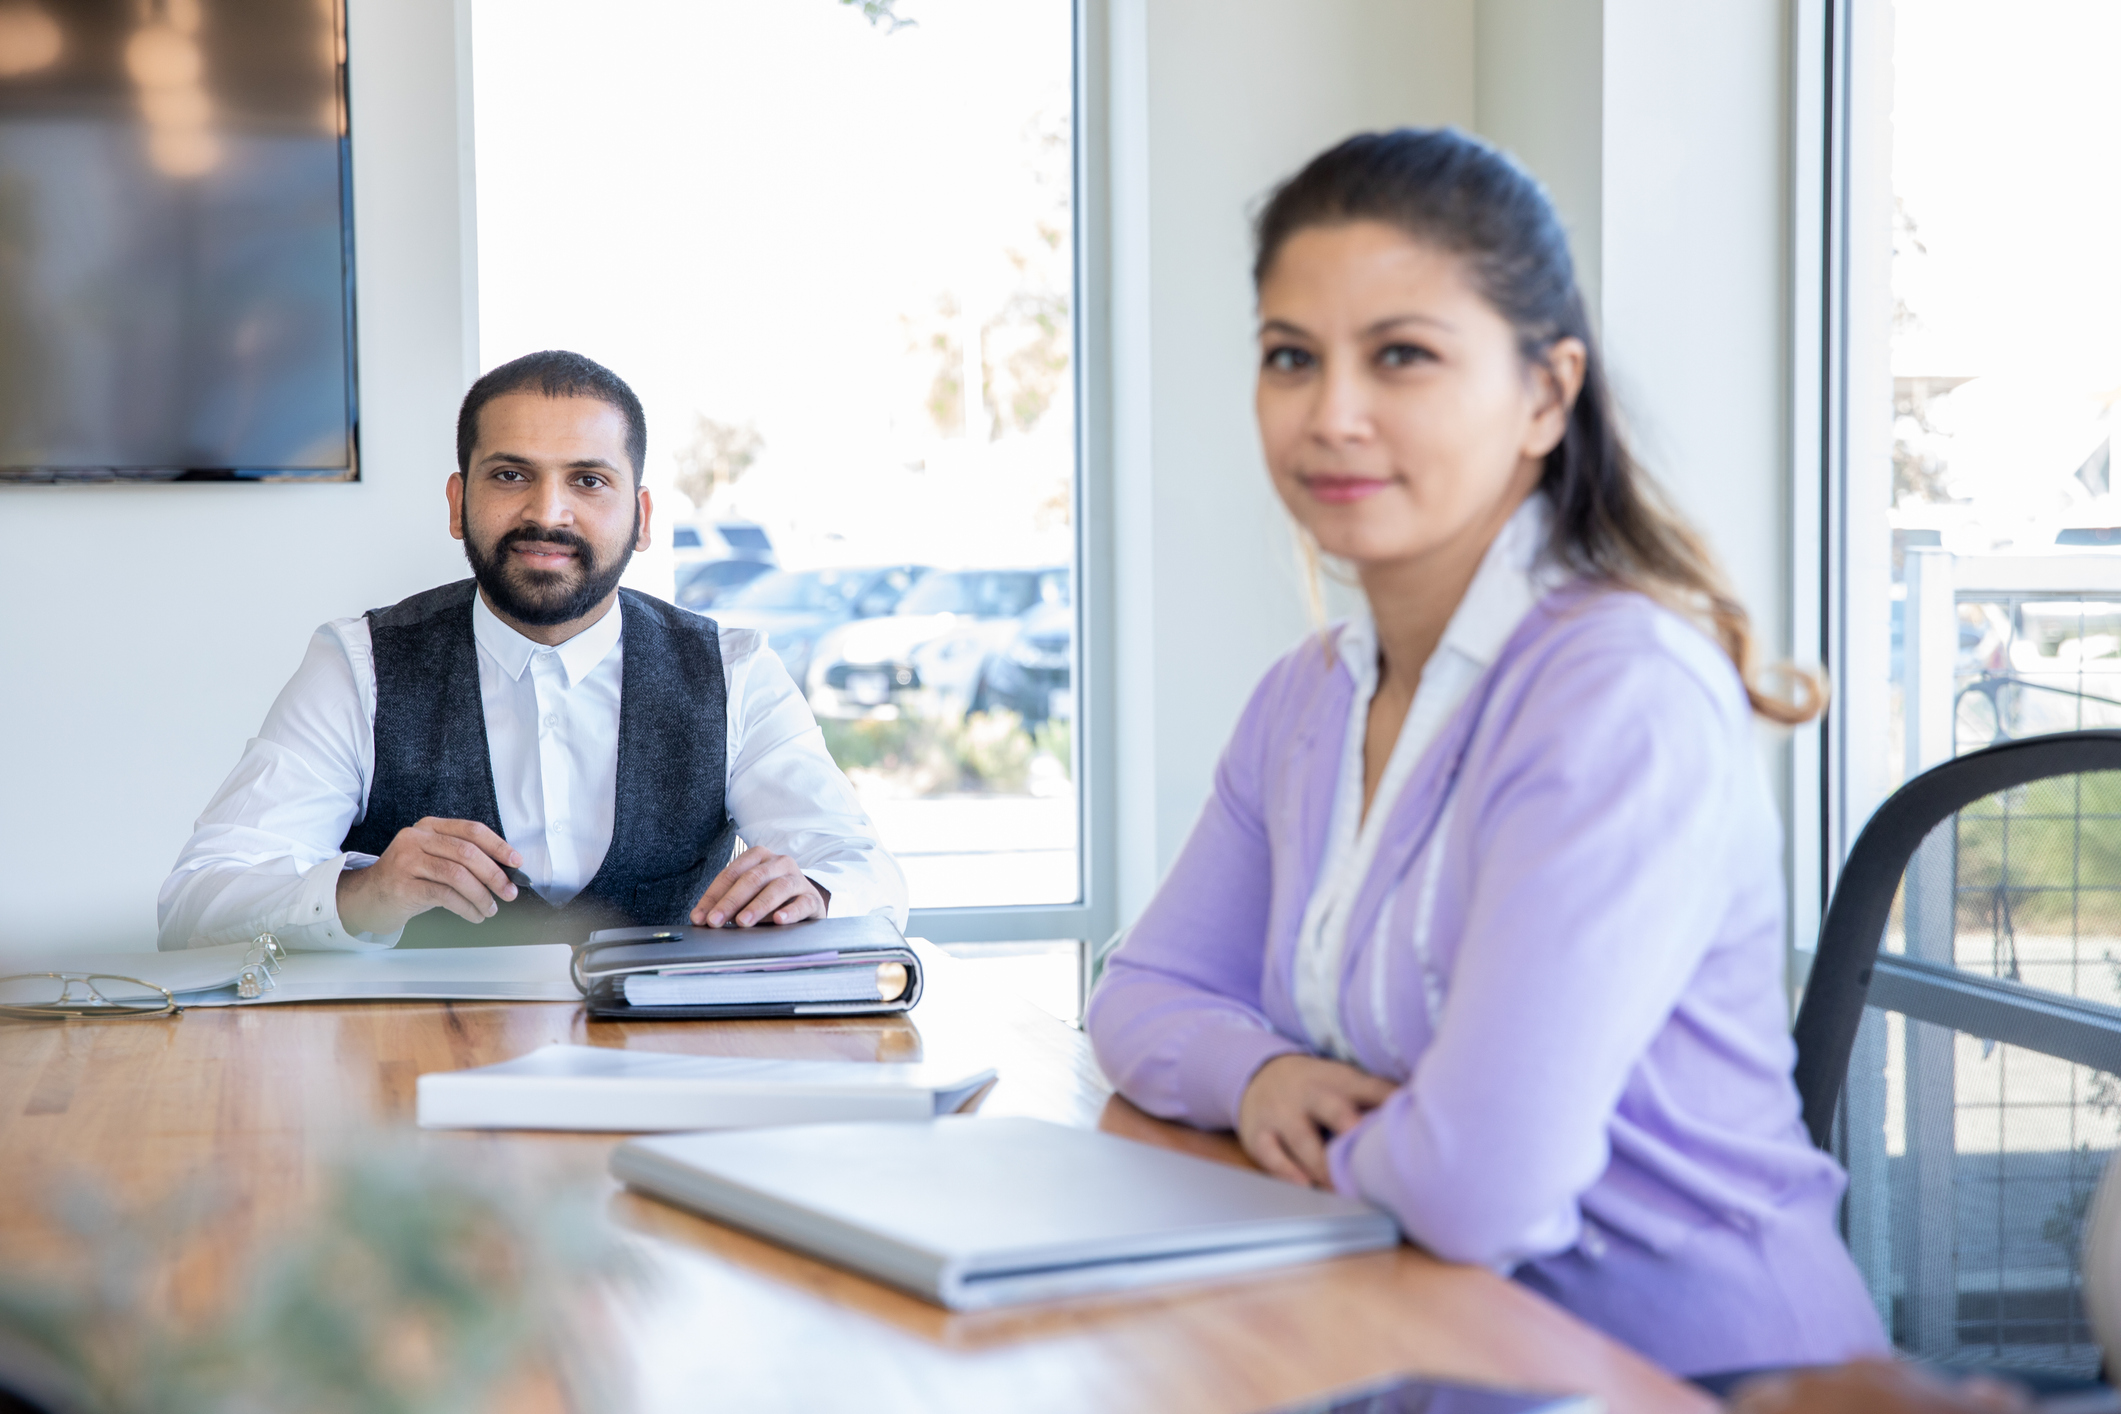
<point x="243" y="974"/>
<point x="972" y="1213"/>
<point x="601" y="1088"/>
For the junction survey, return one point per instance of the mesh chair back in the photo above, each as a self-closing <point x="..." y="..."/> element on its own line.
<point x="1958" y="1045"/>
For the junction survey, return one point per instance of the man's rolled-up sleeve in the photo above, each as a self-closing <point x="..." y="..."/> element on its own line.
<point x="264" y="855"/>
<point x="787" y="794"/>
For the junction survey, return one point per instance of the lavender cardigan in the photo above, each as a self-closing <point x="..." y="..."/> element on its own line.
<point x="1569" y="956"/>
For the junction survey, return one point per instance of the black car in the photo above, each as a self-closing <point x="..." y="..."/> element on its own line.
<point x="794" y="608"/>
<point x="704" y="583"/>
<point x="1033" y="675"/>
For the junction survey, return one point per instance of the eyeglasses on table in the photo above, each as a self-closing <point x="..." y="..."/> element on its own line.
<point x="41" y="995"/>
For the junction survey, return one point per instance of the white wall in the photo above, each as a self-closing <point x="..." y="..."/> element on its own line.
<point x="147" y="628"/>
<point x="1539" y="89"/>
<point x="1693" y="262"/>
<point x="1657" y="125"/>
<point x="1231" y="96"/>
<point x="1660" y="129"/>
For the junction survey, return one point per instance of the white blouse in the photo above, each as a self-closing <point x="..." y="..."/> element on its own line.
<point x="1513" y="576"/>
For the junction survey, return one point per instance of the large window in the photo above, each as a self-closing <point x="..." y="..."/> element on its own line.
<point x="1975" y="347"/>
<point x="2005" y="374"/>
<point x="832" y="246"/>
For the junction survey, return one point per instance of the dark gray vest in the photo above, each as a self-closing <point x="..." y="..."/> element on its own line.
<point x="670" y="833"/>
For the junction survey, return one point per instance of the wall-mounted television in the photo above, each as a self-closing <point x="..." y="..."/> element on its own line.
<point x="176" y="242"/>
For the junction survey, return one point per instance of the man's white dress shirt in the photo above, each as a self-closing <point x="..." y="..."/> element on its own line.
<point x="1512" y="577"/>
<point x="265" y="857"/>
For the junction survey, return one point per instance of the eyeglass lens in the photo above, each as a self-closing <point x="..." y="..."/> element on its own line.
<point x="78" y="993"/>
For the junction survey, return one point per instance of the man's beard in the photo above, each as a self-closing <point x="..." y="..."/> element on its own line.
<point x="542" y="598"/>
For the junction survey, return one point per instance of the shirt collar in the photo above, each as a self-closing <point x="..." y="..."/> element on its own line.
<point x="578" y="655"/>
<point x="1514" y="575"/>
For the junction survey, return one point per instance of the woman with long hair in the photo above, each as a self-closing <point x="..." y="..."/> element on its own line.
<point x="1484" y="918"/>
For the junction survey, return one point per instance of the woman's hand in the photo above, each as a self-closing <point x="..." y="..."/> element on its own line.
<point x="1294" y="1105"/>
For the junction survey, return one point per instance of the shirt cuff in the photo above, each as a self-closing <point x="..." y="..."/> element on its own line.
<point x="314" y="924"/>
<point x="856" y="892"/>
<point x="1218" y="1066"/>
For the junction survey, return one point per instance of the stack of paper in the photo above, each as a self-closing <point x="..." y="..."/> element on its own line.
<point x="601" y="1088"/>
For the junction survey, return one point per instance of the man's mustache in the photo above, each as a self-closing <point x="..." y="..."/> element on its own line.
<point x="539" y="535"/>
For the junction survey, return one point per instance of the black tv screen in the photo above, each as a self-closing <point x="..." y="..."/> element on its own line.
<point x="176" y="258"/>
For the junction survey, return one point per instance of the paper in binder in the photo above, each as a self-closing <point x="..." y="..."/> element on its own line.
<point x="824" y="967"/>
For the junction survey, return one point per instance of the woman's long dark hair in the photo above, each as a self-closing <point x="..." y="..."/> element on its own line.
<point x="1610" y="522"/>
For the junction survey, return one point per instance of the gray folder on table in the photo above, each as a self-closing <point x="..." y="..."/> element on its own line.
<point x="971" y="1213"/>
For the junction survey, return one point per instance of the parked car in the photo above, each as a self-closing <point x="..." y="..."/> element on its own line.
<point x="794" y="609"/>
<point x="692" y="542"/>
<point x="927" y="658"/>
<point x="705" y="583"/>
<point x="1033" y="675"/>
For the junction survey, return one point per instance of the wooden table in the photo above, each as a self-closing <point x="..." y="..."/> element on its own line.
<point x="261" y="1097"/>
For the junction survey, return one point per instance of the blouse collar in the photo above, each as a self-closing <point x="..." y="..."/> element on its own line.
<point x="1515" y="574"/>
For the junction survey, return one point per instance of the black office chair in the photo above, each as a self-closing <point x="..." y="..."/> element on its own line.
<point x="1998" y="1078"/>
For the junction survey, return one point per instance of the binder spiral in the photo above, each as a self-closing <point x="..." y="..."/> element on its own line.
<point x="261" y="967"/>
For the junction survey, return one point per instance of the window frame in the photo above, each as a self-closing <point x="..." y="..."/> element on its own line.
<point x="1816" y="94"/>
<point x="1827" y="811"/>
<point x="1093" y="917"/>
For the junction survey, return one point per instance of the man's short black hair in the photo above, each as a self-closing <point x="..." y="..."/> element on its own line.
<point x="556" y="373"/>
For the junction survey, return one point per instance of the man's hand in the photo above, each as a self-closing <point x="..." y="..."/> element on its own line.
<point x="1876" y="1387"/>
<point x="1294" y="1104"/>
<point x="756" y="884"/>
<point x="452" y="864"/>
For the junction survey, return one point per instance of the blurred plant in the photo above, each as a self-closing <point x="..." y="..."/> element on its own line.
<point x="2063" y="1227"/>
<point x="1028" y="339"/>
<point x="939" y="338"/>
<point x="986" y="752"/>
<point x="907" y="755"/>
<point x="1025" y="352"/>
<point x="2104" y="1096"/>
<point x="413" y="1289"/>
<point x="883" y="13"/>
<point x="1920" y="472"/>
<point x="1032" y="365"/>
<point x="997" y="750"/>
<point x="1055" y="737"/>
<point x="717" y="455"/>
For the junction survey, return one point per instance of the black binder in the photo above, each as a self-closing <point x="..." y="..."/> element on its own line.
<point x="822" y="967"/>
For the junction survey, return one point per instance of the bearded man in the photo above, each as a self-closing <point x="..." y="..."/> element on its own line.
<point x="532" y="753"/>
